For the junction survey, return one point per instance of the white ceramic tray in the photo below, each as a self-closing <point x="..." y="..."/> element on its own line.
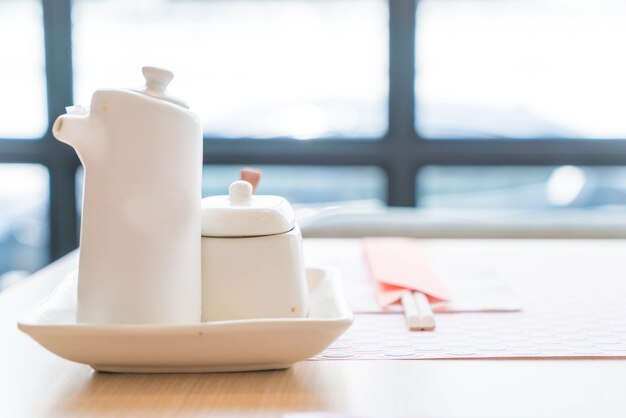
<point x="241" y="345"/>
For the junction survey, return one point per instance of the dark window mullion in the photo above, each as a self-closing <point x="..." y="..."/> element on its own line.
<point x="57" y="23"/>
<point x="401" y="137"/>
<point x="289" y="151"/>
<point x="61" y="160"/>
<point x="524" y="152"/>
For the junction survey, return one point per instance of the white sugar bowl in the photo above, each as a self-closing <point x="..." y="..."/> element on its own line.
<point x="252" y="263"/>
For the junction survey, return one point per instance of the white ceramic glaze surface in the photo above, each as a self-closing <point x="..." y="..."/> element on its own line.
<point x="252" y="262"/>
<point x="242" y="214"/>
<point x="140" y="233"/>
<point x="254" y="277"/>
<point x="219" y="346"/>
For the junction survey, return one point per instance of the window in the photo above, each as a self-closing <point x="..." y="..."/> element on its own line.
<point x="304" y="184"/>
<point x="22" y="75"/>
<point x="300" y="68"/>
<point x="521" y="69"/>
<point x="523" y="188"/>
<point x="416" y="102"/>
<point x="23" y="220"/>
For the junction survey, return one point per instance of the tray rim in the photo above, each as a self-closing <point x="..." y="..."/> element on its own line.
<point x="29" y="322"/>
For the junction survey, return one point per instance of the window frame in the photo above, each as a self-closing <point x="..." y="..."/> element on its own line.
<point x="401" y="152"/>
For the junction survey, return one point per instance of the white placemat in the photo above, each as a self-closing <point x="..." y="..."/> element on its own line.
<point x="486" y="335"/>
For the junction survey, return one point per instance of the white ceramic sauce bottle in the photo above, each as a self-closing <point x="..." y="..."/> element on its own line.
<point x="252" y="263"/>
<point x="140" y="234"/>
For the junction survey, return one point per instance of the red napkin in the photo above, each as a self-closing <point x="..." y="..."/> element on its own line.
<point x="398" y="266"/>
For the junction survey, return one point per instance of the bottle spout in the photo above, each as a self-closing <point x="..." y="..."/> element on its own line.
<point x="73" y="129"/>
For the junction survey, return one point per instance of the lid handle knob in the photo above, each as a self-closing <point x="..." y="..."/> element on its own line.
<point x="240" y="192"/>
<point x="157" y="79"/>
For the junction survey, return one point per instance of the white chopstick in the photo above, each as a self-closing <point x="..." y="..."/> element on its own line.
<point x="417" y="312"/>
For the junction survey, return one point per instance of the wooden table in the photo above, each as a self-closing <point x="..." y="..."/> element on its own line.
<point x="35" y="383"/>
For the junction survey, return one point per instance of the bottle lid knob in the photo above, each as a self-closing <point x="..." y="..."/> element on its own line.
<point x="157" y="80"/>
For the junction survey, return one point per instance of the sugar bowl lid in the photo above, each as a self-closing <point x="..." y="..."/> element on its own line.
<point x="243" y="214"/>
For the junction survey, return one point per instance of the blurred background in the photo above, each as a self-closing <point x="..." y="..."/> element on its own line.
<point x="505" y="116"/>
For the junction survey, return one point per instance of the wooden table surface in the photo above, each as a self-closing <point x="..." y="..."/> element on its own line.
<point x="35" y="383"/>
